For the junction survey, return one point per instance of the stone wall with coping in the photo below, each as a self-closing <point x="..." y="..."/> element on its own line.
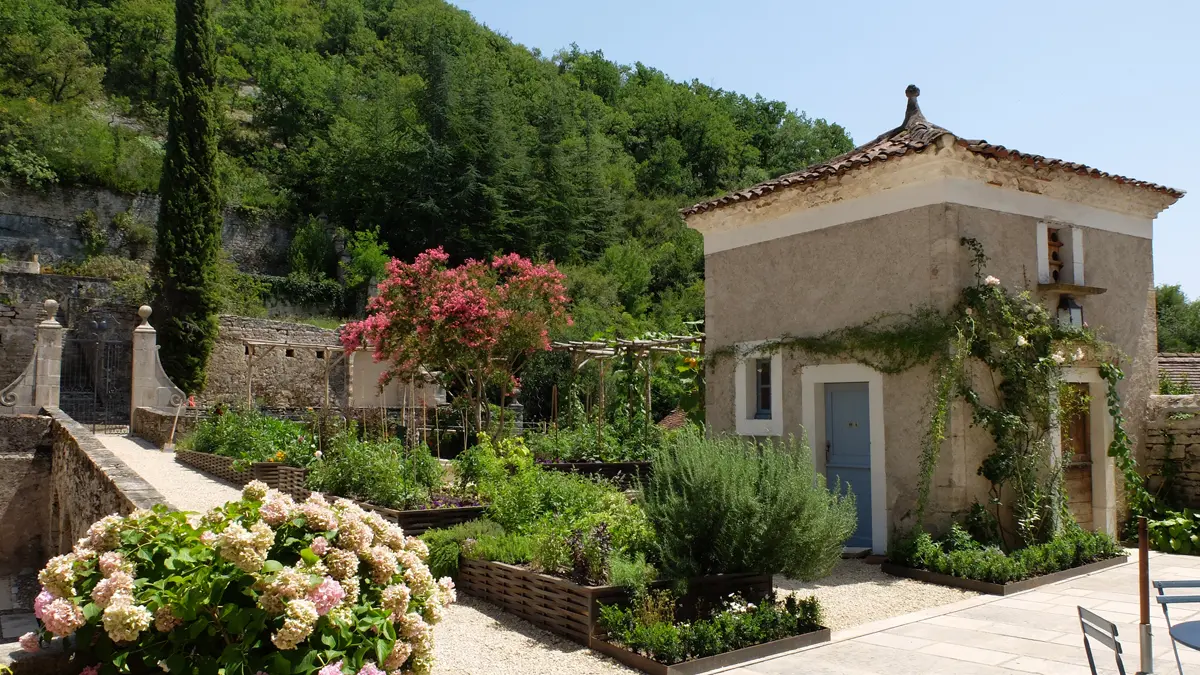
<point x="43" y="223"/>
<point x="1172" y="461"/>
<point x="283" y="377"/>
<point x="154" y="424"/>
<point x="25" y="452"/>
<point x="87" y="482"/>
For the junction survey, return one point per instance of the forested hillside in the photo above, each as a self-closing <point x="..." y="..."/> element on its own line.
<point x="409" y="117"/>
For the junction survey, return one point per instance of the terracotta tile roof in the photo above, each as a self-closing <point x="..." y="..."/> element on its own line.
<point x="914" y="135"/>
<point x="1180" y="368"/>
<point x="676" y="419"/>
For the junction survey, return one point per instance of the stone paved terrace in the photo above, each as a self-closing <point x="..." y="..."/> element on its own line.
<point x="1032" y="632"/>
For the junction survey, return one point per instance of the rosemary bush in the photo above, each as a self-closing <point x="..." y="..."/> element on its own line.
<point x="724" y="505"/>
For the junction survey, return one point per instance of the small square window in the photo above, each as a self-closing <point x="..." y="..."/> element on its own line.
<point x="762" y="389"/>
<point x="320" y="354"/>
<point x="291" y="353"/>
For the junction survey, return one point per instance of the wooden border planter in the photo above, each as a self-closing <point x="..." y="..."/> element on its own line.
<point x="572" y="610"/>
<point x="414" y="522"/>
<point x="704" y="665"/>
<point x="287" y="479"/>
<point x="1000" y="589"/>
<point x="610" y="470"/>
<point x="217" y="465"/>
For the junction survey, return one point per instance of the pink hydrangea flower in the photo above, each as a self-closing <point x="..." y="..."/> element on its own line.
<point x="370" y="668"/>
<point x="90" y="670"/>
<point x="326" y="596"/>
<point x="29" y="642"/>
<point x="319" y="545"/>
<point x="62" y="617"/>
<point x="334" y="668"/>
<point x="39" y="603"/>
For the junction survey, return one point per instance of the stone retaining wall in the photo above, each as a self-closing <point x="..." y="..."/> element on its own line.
<point x="43" y="222"/>
<point x="154" y="424"/>
<point x="87" y="483"/>
<point x="25" y="451"/>
<point x="1172" y="460"/>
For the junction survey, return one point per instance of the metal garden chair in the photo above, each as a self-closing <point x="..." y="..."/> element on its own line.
<point x="1103" y="631"/>
<point x="1188" y="632"/>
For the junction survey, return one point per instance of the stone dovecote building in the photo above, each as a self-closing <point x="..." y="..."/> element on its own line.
<point x="878" y="230"/>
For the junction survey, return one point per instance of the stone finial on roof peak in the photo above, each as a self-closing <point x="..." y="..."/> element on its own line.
<point x="912" y="114"/>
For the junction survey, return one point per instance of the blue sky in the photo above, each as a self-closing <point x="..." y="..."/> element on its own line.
<point x="1115" y="85"/>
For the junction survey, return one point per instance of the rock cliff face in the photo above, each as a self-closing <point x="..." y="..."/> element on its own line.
<point x="44" y="223"/>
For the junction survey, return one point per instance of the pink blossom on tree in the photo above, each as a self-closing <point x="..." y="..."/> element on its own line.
<point x="474" y="324"/>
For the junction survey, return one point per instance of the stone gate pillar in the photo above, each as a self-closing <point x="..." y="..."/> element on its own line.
<point x="151" y="388"/>
<point x="48" y="367"/>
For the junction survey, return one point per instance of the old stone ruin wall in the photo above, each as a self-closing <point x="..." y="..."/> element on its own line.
<point x="283" y="377"/>
<point x="1172" y="447"/>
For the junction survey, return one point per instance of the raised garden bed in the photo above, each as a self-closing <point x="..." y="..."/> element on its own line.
<point x="217" y="465"/>
<point x="571" y="610"/>
<point x="414" y="522"/>
<point x="619" y="471"/>
<point x="287" y="479"/>
<point x="999" y="589"/>
<point x="708" y="663"/>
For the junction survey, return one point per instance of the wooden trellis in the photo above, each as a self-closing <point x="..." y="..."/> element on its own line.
<point x="643" y="350"/>
<point x="257" y="349"/>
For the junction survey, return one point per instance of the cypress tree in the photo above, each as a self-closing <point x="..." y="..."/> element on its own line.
<point x="189" y="221"/>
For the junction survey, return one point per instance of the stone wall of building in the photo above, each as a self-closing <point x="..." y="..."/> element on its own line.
<point x="284" y="377"/>
<point x="87" y="482"/>
<point x="25" y="452"/>
<point x="43" y="223"/>
<point x="1172" y="463"/>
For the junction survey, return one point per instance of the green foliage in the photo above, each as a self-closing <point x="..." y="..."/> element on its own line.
<point x="42" y="55"/>
<point x="726" y="505"/>
<point x="1170" y="387"/>
<point x="92" y="236"/>
<point x="737" y="625"/>
<point x="478" y="539"/>
<point x="632" y="572"/>
<point x="248" y="435"/>
<point x="311" y="254"/>
<point x="137" y="236"/>
<point x="171" y="590"/>
<point x="45" y="143"/>
<point x="382" y="473"/>
<point x="131" y="278"/>
<point x="189" y="221"/>
<point x="958" y="554"/>
<point x="1178" y="320"/>
<point x="237" y="292"/>
<point x="368" y="258"/>
<point x="1175" y="532"/>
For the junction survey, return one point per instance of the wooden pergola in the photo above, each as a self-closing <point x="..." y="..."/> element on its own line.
<point x="642" y="350"/>
<point x="256" y="350"/>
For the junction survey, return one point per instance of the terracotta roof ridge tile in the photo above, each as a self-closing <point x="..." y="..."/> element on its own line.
<point x="915" y="134"/>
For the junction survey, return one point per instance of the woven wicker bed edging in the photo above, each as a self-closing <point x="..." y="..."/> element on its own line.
<point x="572" y="610"/>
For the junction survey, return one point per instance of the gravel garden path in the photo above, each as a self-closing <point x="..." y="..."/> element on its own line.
<point x="185" y="488"/>
<point x="857" y="593"/>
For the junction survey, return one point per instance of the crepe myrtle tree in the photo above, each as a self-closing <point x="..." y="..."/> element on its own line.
<point x="474" y="326"/>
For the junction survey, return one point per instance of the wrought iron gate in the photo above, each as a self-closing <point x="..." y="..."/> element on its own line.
<point x="95" y="384"/>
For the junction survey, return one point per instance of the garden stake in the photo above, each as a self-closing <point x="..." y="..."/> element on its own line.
<point x="1144" y="634"/>
<point x="170" y="446"/>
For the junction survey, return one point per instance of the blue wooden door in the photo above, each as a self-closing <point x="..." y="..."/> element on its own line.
<point x="848" y="449"/>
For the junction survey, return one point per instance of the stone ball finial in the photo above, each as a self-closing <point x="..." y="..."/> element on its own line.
<point x="144" y="311"/>
<point x="912" y="91"/>
<point x="51" y="307"/>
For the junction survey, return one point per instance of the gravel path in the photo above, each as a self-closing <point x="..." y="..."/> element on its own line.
<point x="857" y="593"/>
<point x="184" y="488"/>
<point x="476" y="638"/>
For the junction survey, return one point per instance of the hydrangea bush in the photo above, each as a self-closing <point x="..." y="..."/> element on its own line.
<point x="260" y="586"/>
